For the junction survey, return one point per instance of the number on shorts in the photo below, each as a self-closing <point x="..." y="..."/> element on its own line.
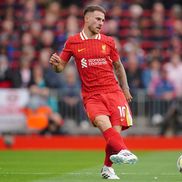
<point x="122" y="111"/>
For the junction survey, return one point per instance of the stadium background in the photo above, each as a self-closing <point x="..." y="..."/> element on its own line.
<point x="148" y="35"/>
<point x="44" y="132"/>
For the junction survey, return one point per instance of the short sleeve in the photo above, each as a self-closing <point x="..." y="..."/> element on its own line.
<point x="66" y="53"/>
<point x="114" y="52"/>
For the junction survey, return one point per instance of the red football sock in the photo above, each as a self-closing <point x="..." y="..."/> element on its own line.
<point x="108" y="153"/>
<point x="114" y="140"/>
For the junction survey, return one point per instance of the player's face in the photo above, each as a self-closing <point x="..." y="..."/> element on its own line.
<point x="95" y="21"/>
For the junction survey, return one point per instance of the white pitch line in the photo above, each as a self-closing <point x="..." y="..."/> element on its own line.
<point x="147" y="174"/>
<point x="45" y="173"/>
<point x="81" y="173"/>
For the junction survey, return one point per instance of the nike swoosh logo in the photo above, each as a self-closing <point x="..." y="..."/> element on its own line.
<point x="79" y="50"/>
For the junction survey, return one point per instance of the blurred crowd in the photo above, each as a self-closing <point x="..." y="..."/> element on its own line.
<point x="148" y="35"/>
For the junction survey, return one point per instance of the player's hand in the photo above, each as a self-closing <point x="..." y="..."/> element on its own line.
<point x="127" y="95"/>
<point x="55" y="60"/>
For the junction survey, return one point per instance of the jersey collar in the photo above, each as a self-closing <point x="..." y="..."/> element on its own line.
<point x="84" y="37"/>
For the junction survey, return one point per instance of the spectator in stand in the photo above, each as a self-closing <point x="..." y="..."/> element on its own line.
<point x="161" y="92"/>
<point x="7" y="9"/>
<point x="47" y="40"/>
<point x="26" y="48"/>
<point x="112" y="28"/>
<point x="52" y="16"/>
<point x="22" y="75"/>
<point x="70" y="2"/>
<point x="49" y="21"/>
<point x="116" y="12"/>
<point x="135" y="15"/>
<point x="54" y="8"/>
<point x="136" y="34"/>
<point x="98" y="2"/>
<point x="174" y="19"/>
<point x="133" y="47"/>
<point x="162" y="87"/>
<point x="177" y="28"/>
<point x="134" y="76"/>
<point x="5" y="73"/>
<point x="175" y="46"/>
<point x="40" y="97"/>
<point x="70" y="104"/>
<point x="174" y="69"/>
<point x="73" y="10"/>
<point x="159" y="30"/>
<point x="52" y="79"/>
<point x="151" y="72"/>
<point x="155" y="53"/>
<point x="8" y="39"/>
<point x="36" y="29"/>
<point x="30" y="11"/>
<point x="26" y="40"/>
<point x="122" y="4"/>
<point x="27" y="13"/>
<point x="72" y="25"/>
<point x="29" y="53"/>
<point x="133" y="72"/>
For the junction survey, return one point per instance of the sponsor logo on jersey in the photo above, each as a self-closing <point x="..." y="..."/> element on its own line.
<point x="93" y="62"/>
<point x="97" y="61"/>
<point x="84" y="63"/>
<point x="80" y="50"/>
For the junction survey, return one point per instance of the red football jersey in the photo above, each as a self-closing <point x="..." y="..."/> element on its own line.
<point x="94" y="59"/>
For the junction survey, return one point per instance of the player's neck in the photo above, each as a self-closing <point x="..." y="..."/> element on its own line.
<point x="89" y="34"/>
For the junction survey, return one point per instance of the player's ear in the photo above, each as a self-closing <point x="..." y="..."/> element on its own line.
<point x="86" y="17"/>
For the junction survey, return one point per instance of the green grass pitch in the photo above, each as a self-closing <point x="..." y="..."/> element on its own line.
<point x="84" y="166"/>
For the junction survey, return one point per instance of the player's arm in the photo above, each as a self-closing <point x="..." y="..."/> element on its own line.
<point x="122" y="79"/>
<point x="57" y="63"/>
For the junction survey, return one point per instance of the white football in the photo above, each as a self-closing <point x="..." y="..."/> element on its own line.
<point x="179" y="164"/>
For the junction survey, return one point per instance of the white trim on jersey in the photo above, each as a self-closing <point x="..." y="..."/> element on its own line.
<point x="81" y="36"/>
<point x="84" y="37"/>
<point x="98" y="36"/>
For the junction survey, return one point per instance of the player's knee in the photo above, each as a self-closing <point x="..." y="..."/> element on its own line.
<point x="102" y="122"/>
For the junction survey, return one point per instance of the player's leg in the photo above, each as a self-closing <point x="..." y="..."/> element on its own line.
<point x="113" y="145"/>
<point x="120" y="119"/>
<point x="107" y="171"/>
<point x="98" y="114"/>
<point x="109" y="150"/>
